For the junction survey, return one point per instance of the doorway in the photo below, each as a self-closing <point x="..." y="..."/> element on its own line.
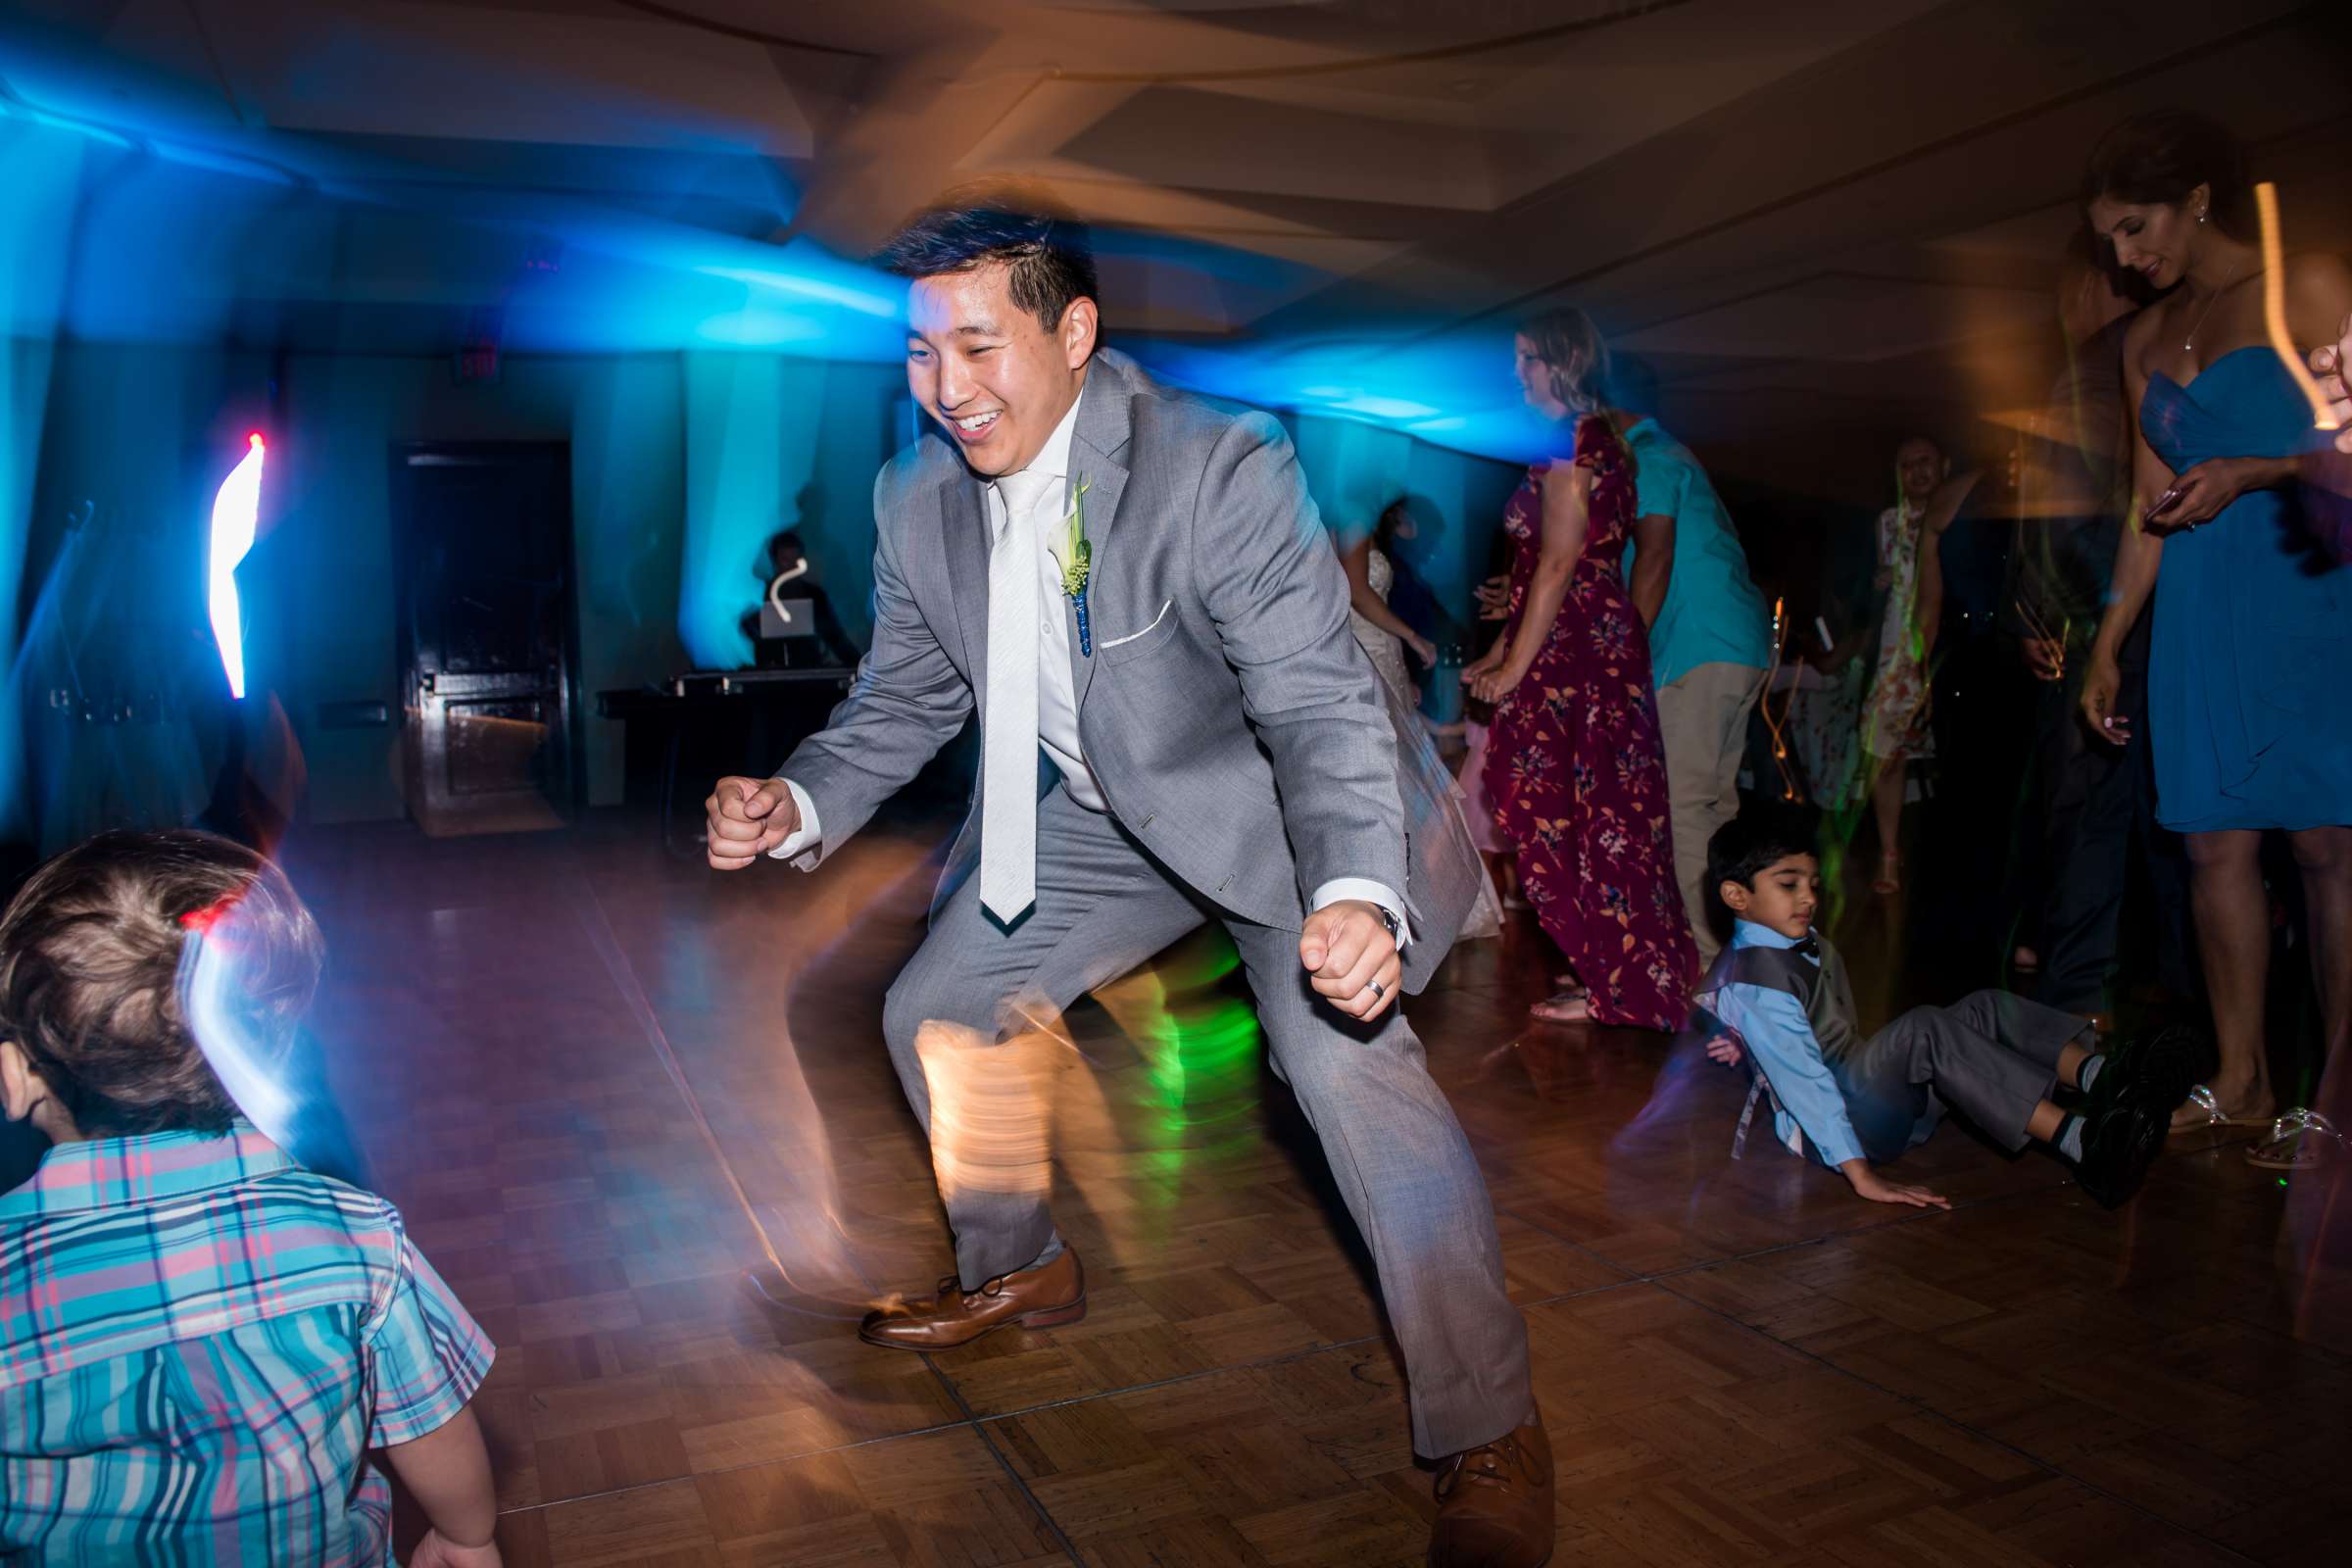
<point x="488" y="634"/>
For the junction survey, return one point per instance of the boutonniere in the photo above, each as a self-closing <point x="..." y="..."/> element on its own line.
<point x="1076" y="559"/>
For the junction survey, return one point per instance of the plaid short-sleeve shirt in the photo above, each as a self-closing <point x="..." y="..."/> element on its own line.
<point x="199" y="1342"/>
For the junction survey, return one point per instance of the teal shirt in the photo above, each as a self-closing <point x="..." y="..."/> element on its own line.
<point x="1713" y="613"/>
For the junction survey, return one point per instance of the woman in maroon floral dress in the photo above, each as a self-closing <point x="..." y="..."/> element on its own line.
<point x="1575" y="766"/>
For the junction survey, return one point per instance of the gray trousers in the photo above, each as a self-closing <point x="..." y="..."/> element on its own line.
<point x="1400" y="1157"/>
<point x="1991" y="1056"/>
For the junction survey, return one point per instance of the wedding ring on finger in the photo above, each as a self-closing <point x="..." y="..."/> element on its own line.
<point x="1378" y="990"/>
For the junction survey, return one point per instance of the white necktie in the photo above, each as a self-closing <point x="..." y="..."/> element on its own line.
<point x="1008" y="739"/>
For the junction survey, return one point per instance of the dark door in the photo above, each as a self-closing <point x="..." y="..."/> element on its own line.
<point x="487" y="634"/>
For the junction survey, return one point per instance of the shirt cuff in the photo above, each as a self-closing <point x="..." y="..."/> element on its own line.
<point x="800" y="847"/>
<point x="1371" y="892"/>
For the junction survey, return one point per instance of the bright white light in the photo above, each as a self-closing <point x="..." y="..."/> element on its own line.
<point x="802" y="285"/>
<point x="1379" y="408"/>
<point x="235" y="509"/>
<point x="208" y="1001"/>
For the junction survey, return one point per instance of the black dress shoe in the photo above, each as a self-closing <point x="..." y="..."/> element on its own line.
<point x="2156" y="1070"/>
<point x="2119" y="1142"/>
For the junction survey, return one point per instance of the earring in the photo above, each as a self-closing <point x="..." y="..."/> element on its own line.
<point x="2200" y="218"/>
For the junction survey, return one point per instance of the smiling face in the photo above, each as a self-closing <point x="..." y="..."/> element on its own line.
<point x="1919" y="466"/>
<point x="1536" y="383"/>
<point x="2155" y="239"/>
<point x="992" y="374"/>
<point x="1785" y="896"/>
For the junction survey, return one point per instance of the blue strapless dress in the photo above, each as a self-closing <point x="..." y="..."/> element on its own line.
<point x="2250" y="669"/>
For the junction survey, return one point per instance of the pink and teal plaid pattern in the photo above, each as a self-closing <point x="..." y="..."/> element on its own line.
<point x="199" y="1342"/>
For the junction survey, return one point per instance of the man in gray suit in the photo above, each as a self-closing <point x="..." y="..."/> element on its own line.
<point x="1225" y="752"/>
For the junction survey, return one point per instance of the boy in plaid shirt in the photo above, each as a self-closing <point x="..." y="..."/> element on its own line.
<point x="200" y="1339"/>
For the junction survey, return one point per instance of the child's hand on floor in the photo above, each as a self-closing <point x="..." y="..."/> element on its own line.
<point x="1878" y="1188"/>
<point x="433" y="1551"/>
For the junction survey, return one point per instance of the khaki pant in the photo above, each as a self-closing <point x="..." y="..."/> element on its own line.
<point x="1703" y="720"/>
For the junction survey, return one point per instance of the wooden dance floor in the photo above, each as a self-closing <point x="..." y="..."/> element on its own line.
<point x="1739" y="1361"/>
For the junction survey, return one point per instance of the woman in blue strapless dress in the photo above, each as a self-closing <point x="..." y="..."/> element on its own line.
<point x="2250" y="664"/>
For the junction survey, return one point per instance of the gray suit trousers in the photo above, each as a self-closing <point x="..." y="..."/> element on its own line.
<point x="1400" y="1157"/>
<point x="1991" y="1056"/>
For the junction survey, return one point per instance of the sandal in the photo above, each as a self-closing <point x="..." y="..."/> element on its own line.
<point x="2203" y="1098"/>
<point x="2300" y="1139"/>
<point x="1564" y="1008"/>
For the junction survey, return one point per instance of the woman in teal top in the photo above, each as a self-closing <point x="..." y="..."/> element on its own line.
<point x="2248" y="707"/>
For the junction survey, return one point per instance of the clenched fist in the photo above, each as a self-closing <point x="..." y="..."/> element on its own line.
<point x="749" y="816"/>
<point x="1348" y="948"/>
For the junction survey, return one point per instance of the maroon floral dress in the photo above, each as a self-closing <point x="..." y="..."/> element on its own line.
<point x="1577" y="771"/>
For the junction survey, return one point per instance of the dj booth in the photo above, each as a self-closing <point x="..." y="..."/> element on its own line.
<point x="682" y="737"/>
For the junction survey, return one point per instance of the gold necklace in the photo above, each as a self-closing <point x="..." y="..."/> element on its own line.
<point x="2188" y="344"/>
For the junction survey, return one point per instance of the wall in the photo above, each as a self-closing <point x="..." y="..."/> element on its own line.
<point x="44" y="172"/>
<point x="123" y="715"/>
<point x="143" y="434"/>
<point x="328" y="565"/>
<point x="682" y="467"/>
<point x="775" y="443"/>
<point x="123" y="279"/>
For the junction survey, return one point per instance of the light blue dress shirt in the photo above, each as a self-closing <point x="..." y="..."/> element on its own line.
<point x="1714" y="613"/>
<point x="1780" y="1039"/>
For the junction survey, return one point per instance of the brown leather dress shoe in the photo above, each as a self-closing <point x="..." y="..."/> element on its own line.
<point x="1035" y="1298"/>
<point x="1495" y="1504"/>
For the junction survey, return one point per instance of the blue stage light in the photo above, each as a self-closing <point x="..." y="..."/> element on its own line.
<point x="236" y="509"/>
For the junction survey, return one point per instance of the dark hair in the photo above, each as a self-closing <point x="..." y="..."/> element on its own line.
<point x="2083" y="253"/>
<point x="2164" y="155"/>
<point x="93" y="951"/>
<point x="1743" y="848"/>
<point x="785" y="547"/>
<point x="1633" y="384"/>
<point x="2088" y="252"/>
<point x="1566" y="339"/>
<point x="1046" y="252"/>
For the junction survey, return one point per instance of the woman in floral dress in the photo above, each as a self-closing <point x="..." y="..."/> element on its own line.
<point x="1894" y="716"/>
<point x="1575" y="766"/>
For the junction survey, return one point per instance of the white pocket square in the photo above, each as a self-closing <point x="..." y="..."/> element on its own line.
<point x="1156" y="621"/>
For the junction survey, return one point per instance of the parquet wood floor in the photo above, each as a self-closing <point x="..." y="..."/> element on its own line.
<point x="1740" y="1362"/>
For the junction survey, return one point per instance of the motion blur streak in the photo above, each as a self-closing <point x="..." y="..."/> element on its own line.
<point x="992" y="1108"/>
<point x="2274" y="308"/>
<point x="221" y="1016"/>
<point x="271" y="1066"/>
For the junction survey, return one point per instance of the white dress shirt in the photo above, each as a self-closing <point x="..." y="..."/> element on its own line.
<point x="1056" y="692"/>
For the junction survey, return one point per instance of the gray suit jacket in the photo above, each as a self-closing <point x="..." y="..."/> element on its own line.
<point x="1235" y="726"/>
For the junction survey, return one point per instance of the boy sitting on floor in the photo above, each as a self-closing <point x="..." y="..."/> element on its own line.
<point x="1779" y="990"/>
